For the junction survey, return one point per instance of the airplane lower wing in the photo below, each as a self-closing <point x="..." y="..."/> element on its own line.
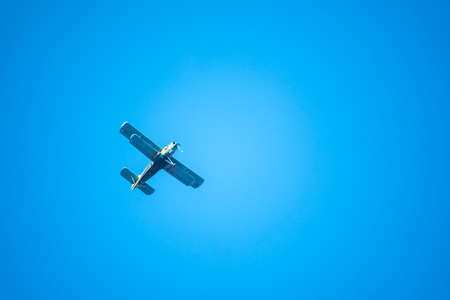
<point x="131" y="178"/>
<point x="184" y="174"/>
<point x="142" y="146"/>
<point x="140" y="141"/>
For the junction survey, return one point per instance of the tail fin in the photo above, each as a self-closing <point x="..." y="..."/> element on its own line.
<point x="132" y="178"/>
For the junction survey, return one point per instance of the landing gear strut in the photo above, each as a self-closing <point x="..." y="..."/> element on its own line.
<point x="170" y="162"/>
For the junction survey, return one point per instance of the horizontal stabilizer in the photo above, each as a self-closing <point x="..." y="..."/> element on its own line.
<point x="148" y="190"/>
<point x="132" y="178"/>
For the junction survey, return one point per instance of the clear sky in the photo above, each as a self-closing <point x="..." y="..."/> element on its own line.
<point x="322" y="132"/>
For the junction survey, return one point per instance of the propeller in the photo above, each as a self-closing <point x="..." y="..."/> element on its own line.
<point x="179" y="147"/>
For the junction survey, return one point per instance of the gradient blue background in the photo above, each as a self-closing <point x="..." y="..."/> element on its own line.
<point x="322" y="131"/>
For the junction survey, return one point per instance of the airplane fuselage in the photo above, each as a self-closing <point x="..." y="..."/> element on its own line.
<point x="161" y="161"/>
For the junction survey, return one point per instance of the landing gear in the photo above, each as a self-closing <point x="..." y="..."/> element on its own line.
<point x="171" y="163"/>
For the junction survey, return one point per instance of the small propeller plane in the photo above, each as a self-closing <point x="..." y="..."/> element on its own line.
<point x="161" y="159"/>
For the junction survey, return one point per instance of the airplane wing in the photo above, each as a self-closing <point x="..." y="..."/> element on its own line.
<point x="184" y="174"/>
<point x="140" y="141"/>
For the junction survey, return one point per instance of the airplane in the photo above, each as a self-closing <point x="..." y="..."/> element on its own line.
<point x="161" y="159"/>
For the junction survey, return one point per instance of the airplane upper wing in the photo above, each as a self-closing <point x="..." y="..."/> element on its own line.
<point x="140" y="141"/>
<point x="183" y="174"/>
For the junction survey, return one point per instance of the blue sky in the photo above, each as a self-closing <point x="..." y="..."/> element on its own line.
<point x="321" y="131"/>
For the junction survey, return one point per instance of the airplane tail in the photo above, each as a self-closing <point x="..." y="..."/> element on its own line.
<point x="132" y="178"/>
